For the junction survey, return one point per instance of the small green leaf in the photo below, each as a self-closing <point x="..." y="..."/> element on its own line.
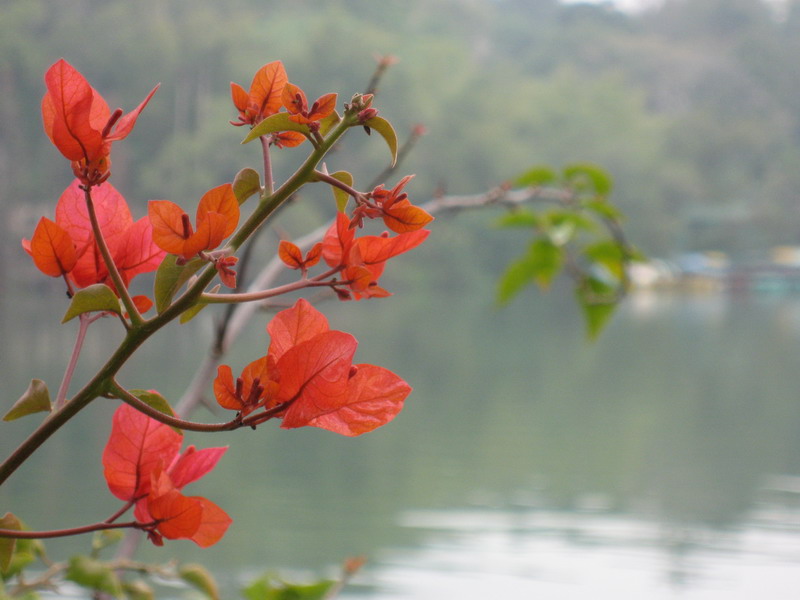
<point x="170" y="276"/>
<point x="598" y="301"/>
<point x="275" y="123"/>
<point x="104" y="539"/>
<point x="536" y="176"/>
<point x="154" y="400"/>
<point x="609" y="254"/>
<point x="191" y="312"/>
<point x="94" y="575"/>
<point x="540" y="264"/>
<point x="246" y="183"/>
<point x="138" y="590"/>
<point x="329" y="122"/>
<point x="9" y="521"/>
<point x="519" y="218"/>
<point x="388" y="133"/>
<point x="97" y="297"/>
<point x="586" y="177"/>
<point x="265" y="588"/>
<point x="199" y="577"/>
<point x="35" y="399"/>
<point x="604" y="209"/>
<point x="339" y="194"/>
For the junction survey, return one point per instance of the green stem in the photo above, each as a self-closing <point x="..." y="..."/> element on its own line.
<point x="133" y="312"/>
<point x="124" y="395"/>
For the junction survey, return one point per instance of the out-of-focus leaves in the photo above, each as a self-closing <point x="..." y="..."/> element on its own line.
<point x="35" y="399"/>
<point x="267" y="588"/>
<point x="540" y="264"/>
<point x="536" y="176"/>
<point x="586" y="177"/>
<point x="200" y="578"/>
<point x="94" y="575"/>
<point x="519" y="218"/>
<point x="598" y="300"/>
<point x="7" y="545"/>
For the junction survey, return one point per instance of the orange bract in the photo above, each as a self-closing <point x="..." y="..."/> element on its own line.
<point x="294" y="99"/>
<point x="264" y="98"/>
<point x="79" y="123"/>
<point x="217" y="217"/>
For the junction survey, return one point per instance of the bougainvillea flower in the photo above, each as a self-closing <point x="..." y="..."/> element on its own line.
<point x="363" y="259"/>
<point x="80" y="124"/>
<point x="264" y="98"/>
<point x="312" y="378"/>
<point x="217" y="218"/>
<point x="129" y="242"/>
<point x="294" y="99"/>
<point x="394" y="207"/>
<point x="143" y="464"/>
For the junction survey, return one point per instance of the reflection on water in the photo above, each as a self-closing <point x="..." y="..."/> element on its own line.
<point x="658" y="462"/>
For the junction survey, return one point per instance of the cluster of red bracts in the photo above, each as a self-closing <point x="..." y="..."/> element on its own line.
<point x="307" y="376"/>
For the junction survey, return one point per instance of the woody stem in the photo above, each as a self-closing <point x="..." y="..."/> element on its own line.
<point x="329" y="179"/>
<point x="122" y="291"/>
<point x="316" y="281"/>
<point x="54" y="533"/>
<point x="120" y="392"/>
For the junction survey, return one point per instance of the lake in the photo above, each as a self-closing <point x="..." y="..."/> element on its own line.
<point x="661" y="461"/>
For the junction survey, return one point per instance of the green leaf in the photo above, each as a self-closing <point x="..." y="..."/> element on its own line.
<point x="138" y="590"/>
<point x="154" y="400"/>
<point x="340" y="195"/>
<point x="519" y="218"/>
<point x="329" y="122"/>
<point x="597" y="300"/>
<point x="604" y="209"/>
<point x="608" y="254"/>
<point x="275" y="123"/>
<point x="536" y="176"/>
<point x="540" y="264"/>
<point x="199" y="577"/>
<point x="97" y="297"/>
<point x="246" y="183"/>
<point x="388" y="133"/>
<point x="94" y="575"/>
<point x="586" y="177"/>
<point x="266" y="588"/>
<point x="35" y="399"/>
<point x="9" y="521"/>
<point x="170" y="276"/>
<point x="104" y="539"/>
<point x="191" y="312"/>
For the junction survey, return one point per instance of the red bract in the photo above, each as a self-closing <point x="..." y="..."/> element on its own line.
<point x="143" y="464"/>
<point x="68" y="246"/>
<point x="79" y="123"/>
<point x="217" y="217"/>
<point x="265" y="94"/>
<point x="394" y="207"/>
<point x="294" y="99"/>
<point x="312" y="375"/>
<point x="363" y="259"/>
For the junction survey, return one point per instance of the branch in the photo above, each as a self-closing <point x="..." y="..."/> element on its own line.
<point x="54" y="533"/>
